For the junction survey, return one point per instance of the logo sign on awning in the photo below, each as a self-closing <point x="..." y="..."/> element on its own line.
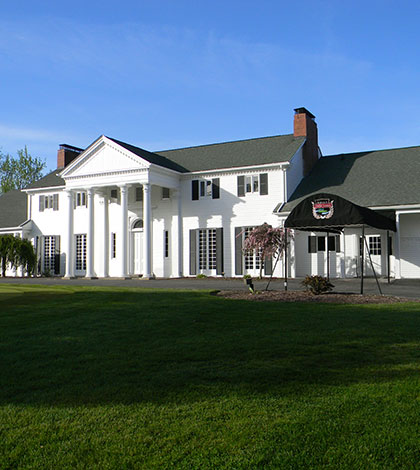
<point x="323" y="208"/>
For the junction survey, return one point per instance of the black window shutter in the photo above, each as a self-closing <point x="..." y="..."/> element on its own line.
<point x="241" y="186"/>
<point x="55" y="202"/>
<point x="57" y="254"/>
<point x="238" y="251"/>
<point x="268" y="265"/>
<point x="41" y="203"/>
<point x="194" y="189"/>
<point x="219" y="251"/>
<point x="264" y="184"/>
<point x="193" y="252"/>
<point x="311" y="244"/>
<point x="215" y="188"/>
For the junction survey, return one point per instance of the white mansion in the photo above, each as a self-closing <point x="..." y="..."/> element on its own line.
<point x="115" y="210"/>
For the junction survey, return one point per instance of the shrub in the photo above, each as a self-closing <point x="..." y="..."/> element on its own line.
<point x="201" y="276"/>
<point x="317" y="284"/>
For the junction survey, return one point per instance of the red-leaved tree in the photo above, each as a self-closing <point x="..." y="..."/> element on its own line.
<point x="268" y="241"/>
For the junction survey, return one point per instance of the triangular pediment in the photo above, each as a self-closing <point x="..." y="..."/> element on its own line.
<point x="102" y="157"/>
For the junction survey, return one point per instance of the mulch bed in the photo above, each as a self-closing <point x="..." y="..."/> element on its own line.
<point x="303" y="296"/>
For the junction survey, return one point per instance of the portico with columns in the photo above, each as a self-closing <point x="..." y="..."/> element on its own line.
<point x="113" y="198"/>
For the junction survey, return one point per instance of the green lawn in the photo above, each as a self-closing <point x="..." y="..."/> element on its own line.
<point x="102" y="378"/>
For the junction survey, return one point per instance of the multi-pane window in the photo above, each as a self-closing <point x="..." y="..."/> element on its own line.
<point x="166" y="193"/>
<point x="207" y="249"/>
<point x="113" y="245"/>
<point x="166" y="242"/>
<point x="49" y="254"/>
<point x="114" y="193"/>
<point x="81" y="252"/>
<point x="139" y="193"/>
<point x="375" y="247"/>
<point x="252" y="260"/>
<point x="48" y="202"/>
<point x="80" y="199"/>
<point x="253" y="184"/>
<point x="205" y="188"/>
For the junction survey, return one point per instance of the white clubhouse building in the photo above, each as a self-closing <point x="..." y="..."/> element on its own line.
<point x="115" y="210"/>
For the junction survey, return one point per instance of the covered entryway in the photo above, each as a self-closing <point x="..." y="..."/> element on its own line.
<point x="330" y="213"/>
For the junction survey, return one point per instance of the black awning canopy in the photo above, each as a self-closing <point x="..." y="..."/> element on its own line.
<point x="325" y="212"/>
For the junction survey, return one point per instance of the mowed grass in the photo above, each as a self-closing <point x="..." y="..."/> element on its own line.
<point x="102" y="378"/>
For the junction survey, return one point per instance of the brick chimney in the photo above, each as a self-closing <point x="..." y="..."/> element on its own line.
<point x="305" y="126"/>
<point x="66" y="154"/>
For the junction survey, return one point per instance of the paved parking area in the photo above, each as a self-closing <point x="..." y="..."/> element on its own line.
<point x="402" y="287"/>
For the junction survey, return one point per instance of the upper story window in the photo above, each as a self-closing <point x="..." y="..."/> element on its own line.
<point x="253" y="184"/>
<point x="48" y="202"/>
<point x="80" y="199"/>
<point x="205" y="189"/>
<point x="166" y="193"/>
<point x="139" y="193"/>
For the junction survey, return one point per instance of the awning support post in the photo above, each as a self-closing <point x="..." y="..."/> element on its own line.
<point x="388" y="256"/>
<point x="285" y="259"/>
<point x="362" y="261"/>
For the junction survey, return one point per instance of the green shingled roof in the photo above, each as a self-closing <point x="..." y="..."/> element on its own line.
<point x="260" y="151"/>
<point x="13" y="208"/>
<point x="48" y="181"/>
<point x="373" y="178"/>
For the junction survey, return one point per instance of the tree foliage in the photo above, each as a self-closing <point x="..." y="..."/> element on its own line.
<point x="16" y="252"/>
<point x="20" y="171"/>
<point x="267" y="241"/>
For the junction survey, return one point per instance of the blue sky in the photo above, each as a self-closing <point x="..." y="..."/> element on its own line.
<point x="168" y="74"/>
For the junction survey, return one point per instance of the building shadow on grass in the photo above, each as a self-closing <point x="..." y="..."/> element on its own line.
<point x="101" y="346"/>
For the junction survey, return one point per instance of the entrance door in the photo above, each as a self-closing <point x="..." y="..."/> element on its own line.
<point x="137" y="252"/>
<point x="374" y="242"/>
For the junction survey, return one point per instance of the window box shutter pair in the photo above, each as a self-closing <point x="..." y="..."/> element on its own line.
<point x="215" y="189"/>
<point x="263" y="185"/>
<point x="219" y="251"/>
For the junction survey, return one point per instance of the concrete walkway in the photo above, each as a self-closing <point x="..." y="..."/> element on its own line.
<point x="401" y="288"/>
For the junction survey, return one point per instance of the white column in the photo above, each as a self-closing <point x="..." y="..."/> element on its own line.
<point x="124" y="231"/>
<point x="147" y="231"/>
<point x="106" y="235"/>
<point x="69" y="248"/>
<point x="90" y="273"/>
<point x="397" y="248"/>
<point x="176" y="232"/>
<point x="180" y="237"/>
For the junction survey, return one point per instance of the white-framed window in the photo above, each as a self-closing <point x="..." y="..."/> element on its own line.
<point x="205" y="188"/>
<point x="113" y="245"/>
<point x="81" y="252"/>
<point x="114" y="193"/>
<point x="49" y="201"/>
<point x="80" y="199"/>
<point x="375" y="246"/>
<point x="50" y="250"/>
<point x="139" y="193"/>
<point x="207" y="249"/>
<point x="166" y="243"/>
<point x="253" y="184"/>
<point x="252" y="260"/>
<point x="166" y="193"/>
